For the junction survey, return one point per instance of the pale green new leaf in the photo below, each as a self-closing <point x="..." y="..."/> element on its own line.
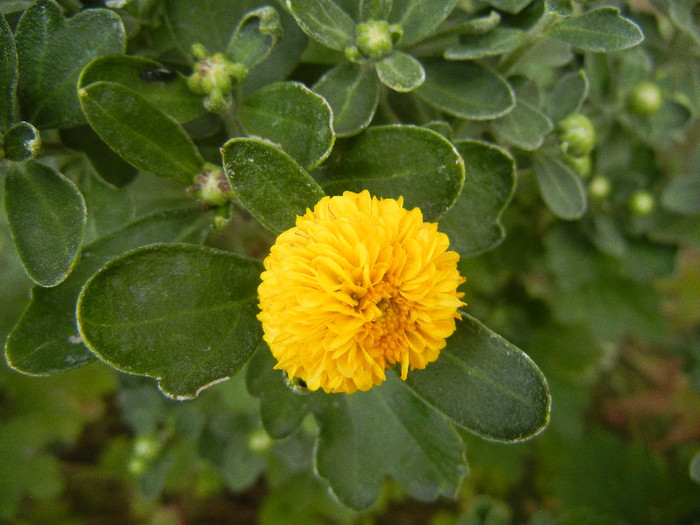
<point x="324" y="21"/>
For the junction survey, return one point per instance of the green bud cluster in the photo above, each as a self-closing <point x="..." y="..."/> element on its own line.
<point x="211" y="187"/>
<point x="576" y="135"/>
<point x="374" y="39"/>
<point x="642" y="203"/>
<point x="645" y="99"/>
<point x="215" y="76"/>
<point x="599" y="188"/>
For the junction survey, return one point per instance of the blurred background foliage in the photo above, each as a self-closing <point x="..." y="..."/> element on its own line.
<point x="607" y="305"/>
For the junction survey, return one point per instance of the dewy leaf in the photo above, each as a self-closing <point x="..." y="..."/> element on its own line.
<point x="22" y="142"/>
<point x="281" y="409"/>
<point x="397" y="160"/>
<point x="561" y="188"/>
<point x="568" y="95"/>
<point x="473" y="222"/>
<point x="256" y="35"/>
<point x="46" y="214"/>
<point x="268" y="182"/>
<point x="52" y="52"/>
<point x="108" y="165"/>
<point x="139" y="132"/>
<point x="163" y="87"/>
<point x="210" y="22"/>
<point x="292" y="116"/>
<point x="400" y="72"/>
<point x="324" y="21"/>
<point x="387" y="430"/>
<point x="485" y="385"/>
<point x="8" y="76"/>
<point x="352" y="90"/>
<point x="45" y="340"/>
<point x="419" y="18"/>
<point x="525" y="127"/>
<point x="467" y="90"/>
<point x="180" y="313"/>
<point x="599" y="30"/>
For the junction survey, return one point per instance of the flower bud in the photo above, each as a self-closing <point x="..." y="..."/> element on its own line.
<point x="599" y="188"/>
<point x="576" y="135"/>
<point x="374" y="38"/>
<point x="211" y="186"/>
<point x="645" y="99"/>
<point x="581" y="165"/>
<point x="642" y="203"/>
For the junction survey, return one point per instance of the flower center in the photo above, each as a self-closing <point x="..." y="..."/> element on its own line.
<point x="388" y="316"/>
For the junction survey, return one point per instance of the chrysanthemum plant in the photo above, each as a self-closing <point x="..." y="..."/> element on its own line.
<point x="376" y="143"/>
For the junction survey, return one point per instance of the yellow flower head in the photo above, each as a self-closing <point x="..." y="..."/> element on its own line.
<point x="359" y="284"/>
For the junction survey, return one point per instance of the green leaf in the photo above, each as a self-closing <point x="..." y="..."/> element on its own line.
<point x="292" y="116"/>
<point x="46" y="214"/>
<point x="22" y="142"/>
<point x="45" y="339"/>
<point x="525" y="127"/>
<point x="560" y="7"/>
<point x="419" y="18"/>
<point x="52" y="52"/>
<point x="110" y="166"/>
<point x="496" y="42"/>
<point x="387" y="430"/>
<point x="268" y="182"/>
<point x="568" y="95"/>
<point x="375" y="9"/>
<point x="393" y="161"/>
<point x="400" y="72"/>
<point x="163" y="87"/>
<point x="599" y="30"/>
<point x="467" y="90"/>
<point x="324" y="21"/>
<point x="352" y="91"/>
<point x="509" y="6"/>
<point x="8" y="76"/>
<point x="210" y="23"/>
<point x="473" y="222"/>
<point x="180" y="313"/>
<point x="139" y="132"/>
<point x="561" y="188"/>
<point x="485" y="385"/>
<point x="281" y="409"/>
<point x="682" y="195"/>
<point x="255" y="36"/>
<point x="695" y="468"/>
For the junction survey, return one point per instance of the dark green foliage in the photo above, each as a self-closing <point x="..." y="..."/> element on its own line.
<point x="553" y="141"/>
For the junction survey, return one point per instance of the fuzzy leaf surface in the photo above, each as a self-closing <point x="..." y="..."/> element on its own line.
<point x="183" y="314"/>
<point x="353" y="93"/>
<point x="485" y="384"/>
<point x="387" y="430"/>
<point x="140" y="132"/>
<point x="46" y="214"/>
<point x="293" y="116"/>
<point x="268" y="182"/>
<point x="52" y="51"/>
<point x="393" y="161"/>
<point x="473" y="222"/>
<point x="45" y="340"/>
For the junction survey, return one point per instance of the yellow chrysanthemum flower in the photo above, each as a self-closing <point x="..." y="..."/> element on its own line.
<point x="359" y="284"/>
